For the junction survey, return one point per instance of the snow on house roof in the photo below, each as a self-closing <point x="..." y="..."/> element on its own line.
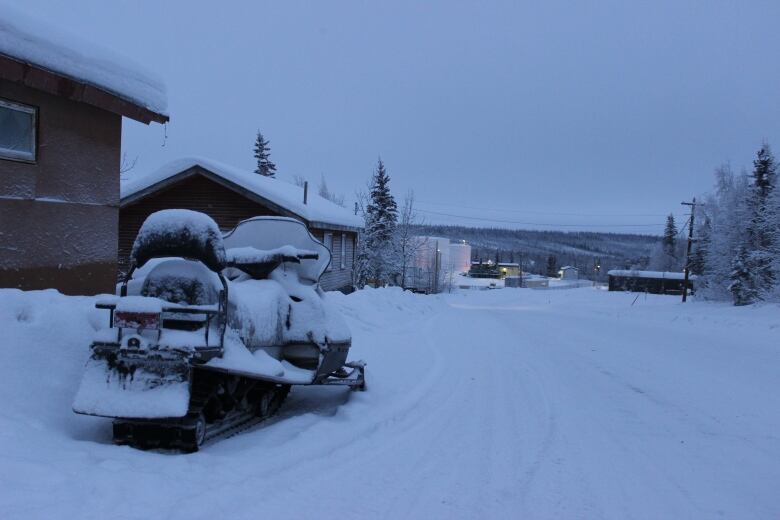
<point x="318" y="212"/>
<point x="509" y="264"/>
<point x="48" y="47"/>
<point x="568" y="267"/>
<point x="649" y="274"/>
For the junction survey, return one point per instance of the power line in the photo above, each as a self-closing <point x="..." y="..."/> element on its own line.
<point x="517" y="223"/>
<point x="515" y="210"/>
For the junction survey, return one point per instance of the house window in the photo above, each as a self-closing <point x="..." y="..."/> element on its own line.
<point x="343" y="250"/>
<point x="328" y="240"/>
<point x="17" y="131"/>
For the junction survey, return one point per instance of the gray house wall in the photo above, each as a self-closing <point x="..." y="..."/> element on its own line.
<point x="58" y="215"/>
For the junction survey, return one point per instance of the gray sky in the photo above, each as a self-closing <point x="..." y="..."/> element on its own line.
<point x="545" y="111"/>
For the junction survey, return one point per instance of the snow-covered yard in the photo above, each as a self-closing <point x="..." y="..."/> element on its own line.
<point x="481" y="404"/>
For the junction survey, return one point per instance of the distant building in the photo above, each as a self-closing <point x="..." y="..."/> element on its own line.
<point x="535" y="281"/>
<point x="513" y="281"/>
<point x="484" y="270"/>
<point x="506" y="269"/>
<point x="527" y="281"/>
<point x="230" y="195"/>
<point x="61" y="109"/>
<point x="654" y="282"/>
<point x="568" y="272"/>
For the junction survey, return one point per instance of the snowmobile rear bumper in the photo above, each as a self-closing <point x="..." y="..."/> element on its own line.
<point x="134" y="387"/>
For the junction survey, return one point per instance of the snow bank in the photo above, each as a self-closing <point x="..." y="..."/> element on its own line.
<point x="48" y="47"/>
<point x="46" y="344"/>
<point x="682" y="401"/>
<point x="284" y="194"/>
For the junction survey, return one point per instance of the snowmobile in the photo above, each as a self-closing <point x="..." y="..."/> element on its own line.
<point x="209" y="332"/>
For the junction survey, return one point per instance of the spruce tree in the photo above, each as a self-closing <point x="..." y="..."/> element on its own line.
<point x="552" y="266"/>
<point x="670" y="237"/>
<point x="265" y="166"/>
<point x="761" y="236"/>
<point x="742" y="285"/>
<point x="377" y="255"/>
<point x="764" y="172"/>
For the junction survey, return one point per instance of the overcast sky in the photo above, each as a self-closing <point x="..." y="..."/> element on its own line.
<point x="589" y="115"/>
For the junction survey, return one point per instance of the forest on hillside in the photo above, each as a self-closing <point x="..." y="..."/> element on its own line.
<point x="541" y="251"/>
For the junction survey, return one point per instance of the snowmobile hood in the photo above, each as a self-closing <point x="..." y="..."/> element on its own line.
<point x="273" y="234"/>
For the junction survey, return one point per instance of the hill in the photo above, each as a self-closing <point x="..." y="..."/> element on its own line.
<point x="532" y="248"/>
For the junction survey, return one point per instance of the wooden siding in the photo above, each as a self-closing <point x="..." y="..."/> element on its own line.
<point x="336" y="277"/>
<point x="227" y="208"/>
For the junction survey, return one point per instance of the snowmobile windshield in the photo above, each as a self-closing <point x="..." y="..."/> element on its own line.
<point x="279" y="235"/>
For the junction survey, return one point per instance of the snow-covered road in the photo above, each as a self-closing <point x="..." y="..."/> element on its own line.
<point x="498" y="404"/>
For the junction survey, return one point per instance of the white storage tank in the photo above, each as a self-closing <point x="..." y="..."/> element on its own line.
<point x="430" y="269"/>
<point x="460" y="257"/>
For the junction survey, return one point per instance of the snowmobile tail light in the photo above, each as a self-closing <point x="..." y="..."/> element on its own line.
<point x="137" y="320"/>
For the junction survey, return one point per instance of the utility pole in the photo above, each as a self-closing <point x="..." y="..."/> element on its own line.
<point x="597" y="269"/>
<point x="687" y="269"/>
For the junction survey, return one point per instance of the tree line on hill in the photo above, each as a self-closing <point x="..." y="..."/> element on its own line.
<point x="545" y="252"/>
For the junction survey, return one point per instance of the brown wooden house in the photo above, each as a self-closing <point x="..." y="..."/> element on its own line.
<point x="230" y="195"/>
<point x="61" y="109"/>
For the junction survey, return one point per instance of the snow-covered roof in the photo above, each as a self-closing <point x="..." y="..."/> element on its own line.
<point x="509" y="264"/>
<point x="50" y="48"/>
<point x="649" y="274"/>
<point x="568" y="267"/>
<point x="317" y="212"/>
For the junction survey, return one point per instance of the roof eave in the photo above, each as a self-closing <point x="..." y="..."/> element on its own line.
<point x="51" y="82"/>
<point x="335" y="227"/>
<point x="197" y="169"/>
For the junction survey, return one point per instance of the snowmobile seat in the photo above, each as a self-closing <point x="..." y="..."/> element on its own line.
<point x="259" y="263"/>
<point x="179" y="233"/>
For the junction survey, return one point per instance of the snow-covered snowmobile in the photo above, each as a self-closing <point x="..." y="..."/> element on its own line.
<point x="208" y="333"/>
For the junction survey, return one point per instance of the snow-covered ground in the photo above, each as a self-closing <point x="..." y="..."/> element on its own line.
<point x="481" y="404"/>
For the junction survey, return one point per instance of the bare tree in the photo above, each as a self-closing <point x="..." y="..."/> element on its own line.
<point x="325" y="193"/>
<point x="126" y="165"/>
<point x="299" y="180"/>
<point x="408" y="244"/>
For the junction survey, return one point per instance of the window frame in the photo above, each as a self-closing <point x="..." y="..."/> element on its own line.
<point x="343" y="250"/>
<point x="12" y="155"/>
